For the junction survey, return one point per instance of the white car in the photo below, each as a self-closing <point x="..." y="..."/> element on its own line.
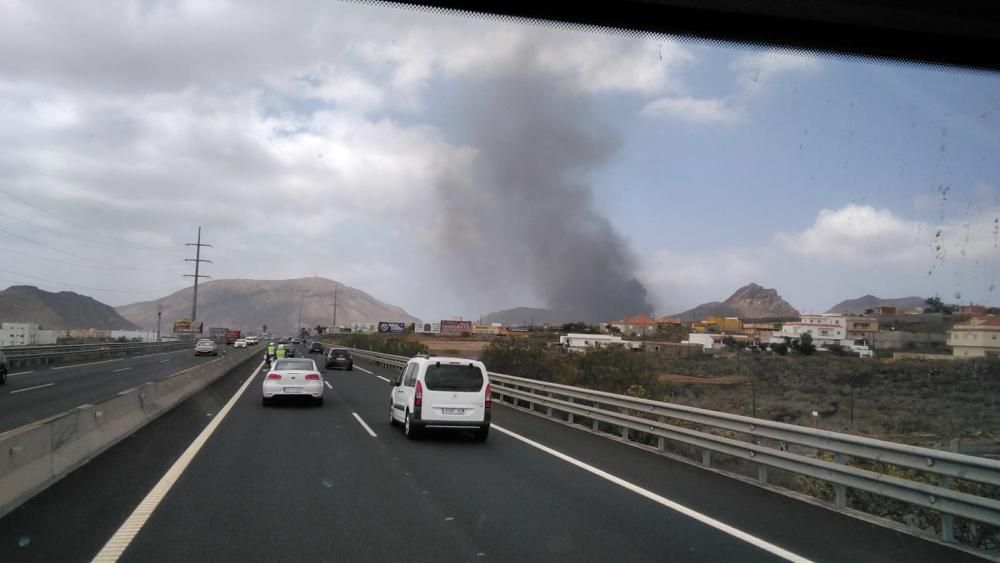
<point x="206" y="347"/>
<point x="442" y="393"/>
<point x="293" y="377"/>
<point x="252" y="340"/>
<point x="240" y="343"/>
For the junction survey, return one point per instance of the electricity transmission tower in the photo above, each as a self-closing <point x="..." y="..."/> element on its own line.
<point x="197" y="262"/>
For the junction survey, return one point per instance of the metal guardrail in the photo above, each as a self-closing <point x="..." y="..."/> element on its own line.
<point x="792" y="448"/>
<point x="21" y="356"/>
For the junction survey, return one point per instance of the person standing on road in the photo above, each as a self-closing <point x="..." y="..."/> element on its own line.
<point x="270" y="352"/>
<point x="280" y="352"/>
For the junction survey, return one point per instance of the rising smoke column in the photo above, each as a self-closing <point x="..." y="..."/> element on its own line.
<point x="526" y="211"/>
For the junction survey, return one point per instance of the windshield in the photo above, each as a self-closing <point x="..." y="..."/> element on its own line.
<point x="464" y="378"/>
<point x="292" y="365"/>
<point x="724" y="301"/>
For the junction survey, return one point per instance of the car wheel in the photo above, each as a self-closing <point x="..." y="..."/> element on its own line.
<point x="409" y="429"/>
<point x="3" y="378"/>
<point x="350" y="367"/>
<point x="481" y="434"/>
<point x="318" y="401"/>
<point x="266" y="401"/>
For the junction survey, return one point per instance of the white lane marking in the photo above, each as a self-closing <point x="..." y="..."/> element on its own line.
<point x="22" y="372"/>
<point x="120" y="369"/>
<point x="164" y="361"/>
<point x="31" y="388"/>
<point x="88" y="364"/>
<point x="707" y="520"/>
<point x="365" y="426"/>
<point x="133" y="525"/>
<point x="328" y="384"/>
<point x="386" y="379"/>
<point x="364" y="370"/>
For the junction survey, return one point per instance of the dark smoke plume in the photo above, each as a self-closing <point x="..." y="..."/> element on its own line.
<point x="527" y="215"/>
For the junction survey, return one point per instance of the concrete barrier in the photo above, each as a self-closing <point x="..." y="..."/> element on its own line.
<point x="36" y="455"/>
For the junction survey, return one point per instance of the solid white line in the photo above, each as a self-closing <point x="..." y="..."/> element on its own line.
<point x="89" y="364"/>
<point x="386" y="379"/>
<point x="22" y="372"/>
<point x="164" y="361"/>
<point x="366" y="427"/>
<point x="364" y="370"/>
<point x="328" y="384"/>
<point x="133" y="525"/>
<point x="707" y="520"/>
<point x="30" y="388"/>
<point x="121" y="369"/>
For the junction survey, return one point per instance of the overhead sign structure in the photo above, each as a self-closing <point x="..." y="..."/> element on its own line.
<point x="456" y="328"/>
<point x="391" y="327"/>
<point x="187" y="326"/>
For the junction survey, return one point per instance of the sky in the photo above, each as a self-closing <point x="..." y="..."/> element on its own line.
<point x="454" y="165"/>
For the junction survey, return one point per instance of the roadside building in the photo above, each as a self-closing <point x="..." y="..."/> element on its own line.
<point x="977" y="338"/>
<point x="761" y="332"/>
<point x="829" y="328"/>
<point x="576" y="342"/>
<point x="676" y="349"/>
<point x="975" y="310"/>
<point x="636" y="325"/>
<point x="883" y="310"/>
<point x="25" y="334"/>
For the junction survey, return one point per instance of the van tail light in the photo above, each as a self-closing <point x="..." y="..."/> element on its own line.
<point x="274" y="375"/>
<point x="418" y="395"/>
<point x="312" y="376"/>
<point x="489" y="398"/>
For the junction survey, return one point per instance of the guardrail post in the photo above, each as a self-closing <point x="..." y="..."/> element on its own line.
<point x="762" y="474"/>
<point x="570" y="399"/>
<point x="548" y="410"/>
<point x="840" y="491"/>
<point x="625" y="433"/>
<point x="706" y="458"/>
<point x="594" y="425"/>
<point x="947" y="520"/>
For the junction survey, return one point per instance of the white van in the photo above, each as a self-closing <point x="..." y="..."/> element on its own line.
<point x="442" y="393"/>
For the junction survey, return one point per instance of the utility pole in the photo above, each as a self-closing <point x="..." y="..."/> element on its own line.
<point x="336" y="289"/>
<point x="159" y="313"/>
<point x="197" y="262"/>
<point x="299" y="329"/>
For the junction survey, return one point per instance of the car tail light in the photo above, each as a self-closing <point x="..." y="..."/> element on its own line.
<point x="418" y="395"/>
<point x="312" y="376"/>
<point x="274" y="375"/>
<point x="489" y="399"/>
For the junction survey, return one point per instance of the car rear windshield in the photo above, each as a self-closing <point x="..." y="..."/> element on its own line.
<point x="293" y="365"/>
<point x="343" y="353"/>
<point x="453" y="378"/>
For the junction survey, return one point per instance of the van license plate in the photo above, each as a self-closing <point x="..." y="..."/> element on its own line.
<point x="452" y="411"/>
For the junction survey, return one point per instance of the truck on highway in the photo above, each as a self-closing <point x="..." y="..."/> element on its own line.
<point x="232" y="336"/>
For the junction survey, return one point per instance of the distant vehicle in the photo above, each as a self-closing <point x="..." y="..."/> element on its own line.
<point x="289" y="351"/>
<point x="240" y="343"/>
<point x="3" y="369"/>
<point x="296" y="340"/>
<point x="293" y="378"/>
<point x="339" y="358"/>
<point x="232" y="336"/>
<point x="206" y="347"/>
<point x="442" y="393"/>
<point x="316" y="348"/>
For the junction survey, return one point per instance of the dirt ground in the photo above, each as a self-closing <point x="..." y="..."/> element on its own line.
<point x="461" y="348"/>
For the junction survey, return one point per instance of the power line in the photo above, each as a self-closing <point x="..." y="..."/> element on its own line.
<point x="79" y="226"/>
<point x="92" y="266"/>
<point x="77" y="238"/>
<point x="71" y="255"/>
<point x="72" y="285"/>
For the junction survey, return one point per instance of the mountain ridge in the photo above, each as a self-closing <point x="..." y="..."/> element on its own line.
<point x="62" y="310"/>
<point x="751" y="301"/>
<point x="859" y="305"/>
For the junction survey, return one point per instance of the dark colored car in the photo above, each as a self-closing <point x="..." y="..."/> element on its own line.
<point x="316" y="348"/>
<point x="289" y="351"/>
<point x="339" y="358"/>
<point x="3" y="369"/>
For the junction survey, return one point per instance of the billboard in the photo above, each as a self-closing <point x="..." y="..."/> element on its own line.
<point x="481" y="329"/>
<point x="428" y="328"/>
<point x="216" y="331"/>
<point x="456" y="328"/>
<point x="391" y="327"/>
<point x="363" y="328"/>
<point x="188" y="326"/>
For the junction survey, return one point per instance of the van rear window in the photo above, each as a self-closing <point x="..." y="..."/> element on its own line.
<point x="464" y="378"/>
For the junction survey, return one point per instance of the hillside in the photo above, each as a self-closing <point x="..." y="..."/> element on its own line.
<point x="748" y="302"/>
<point x="250" y="304"/>
<point x="519" y="316"/>
<point x="859" y="305"/>
<point x="63" y="310"/>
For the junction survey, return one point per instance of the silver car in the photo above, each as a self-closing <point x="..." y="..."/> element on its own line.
<point x="293" y="377"/>
<point x="205" y="348"/>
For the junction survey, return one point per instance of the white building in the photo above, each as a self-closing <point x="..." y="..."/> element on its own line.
<point x="825" y="329"/>
<point x="25" y="334"/>
<point x="580" y="342"/>
<point x="706" y="340"/>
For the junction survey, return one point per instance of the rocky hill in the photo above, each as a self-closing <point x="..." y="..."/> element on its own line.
<point x="63" y="310"/>
<point x="861" y="304"/>
<point x="250" y="304"/>
<point x="749" y="302"/>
